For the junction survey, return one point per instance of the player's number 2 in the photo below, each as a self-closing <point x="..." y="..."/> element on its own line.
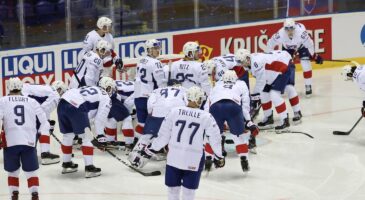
<point x="88" y="91"/>
<point x="192" y="125"/>
<point x="19" y="111"/>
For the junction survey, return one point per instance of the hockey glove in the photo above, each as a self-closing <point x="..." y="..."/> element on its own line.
<point x="255" y="101"/>
<point x="119" y="64"/>
<point x="253" y="128"/>
<point x="147" y="152"/>
<point x="219" y="162"/>
<point x="317" y="58"/>
<point x="99" y="141"/>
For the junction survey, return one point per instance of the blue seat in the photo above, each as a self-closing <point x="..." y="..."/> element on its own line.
<point x="29" y="14"/>
<point x="28" y="10"/>
<point x="44" y="8"/>
<point x="60" y="8"/>
<point x="3" y="12"/>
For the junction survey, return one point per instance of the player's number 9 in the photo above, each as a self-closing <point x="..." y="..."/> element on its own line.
<point x="19" y="111"/>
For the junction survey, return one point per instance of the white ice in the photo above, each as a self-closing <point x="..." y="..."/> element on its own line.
<point x="287" y="166"/>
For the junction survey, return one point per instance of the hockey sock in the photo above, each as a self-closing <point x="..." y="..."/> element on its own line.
<point x="139" y="128"/>
<point x="241" y="143"/>
<point x="293" y="97"/>
<point x="87" y="150"/>
<point x="67" y="146"/>
<point x="173" y="193"/>
<point x="33" y="181"/>
<point x="307" y="71"/>
<point x="111" y="134"/>
<point x="279" y="104"/>
<point x="111" y="130"/>
<point x="13" y="181"/>
<point x="188" y="194"/>
<point x="266" y="103"/>
<point x="127" y="130"/>
<point x="44" y="141"/>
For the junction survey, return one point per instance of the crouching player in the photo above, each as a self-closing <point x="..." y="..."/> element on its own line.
<point x="120" y="111"/>
<point x="48" y="97"/>
<point x="274" y="73"/>
<point x="356" y="73"/>
<point x="76" y="108"/>
<point x="184" y="130"/>
<point x="230" y="102"/>
<point x="160" y="102"/>
<point x="19" y="114"/>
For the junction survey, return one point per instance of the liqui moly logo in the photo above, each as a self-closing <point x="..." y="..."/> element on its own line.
<point x="35" y="68"/>
<point x="70" y="58"/>
<point x="137" y="49"/>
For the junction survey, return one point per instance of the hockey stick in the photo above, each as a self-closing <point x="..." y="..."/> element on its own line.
<point x="256" y="112"/>
<point x="55" y="137"/>
<point x="299" y="132"/>
<point x="348" y="132"/>
<point x="338" y="60"/>
<point x="153" y="173"/>
<point x="91" y="137"/>
<point x="58" y="140"/>
<point x="169" y="75"/>
<point x="289" y="131"/>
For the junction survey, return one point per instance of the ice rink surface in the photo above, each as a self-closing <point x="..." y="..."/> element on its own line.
<point x="287" y="166"/>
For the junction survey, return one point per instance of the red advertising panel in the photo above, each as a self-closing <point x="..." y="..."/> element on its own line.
<point x="219" y="42"/>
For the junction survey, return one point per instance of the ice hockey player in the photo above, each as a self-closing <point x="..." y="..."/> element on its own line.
<point x="159" y="104"/>
<point x="120" y="111"/>
<point x="102" y="32"/>
<point x="48" y="97"/>
<point x="189" y="71"/>
<point x="218" y="65"/>
<point x="356" y="72"/>
<point x="76" y="108"/>
<point x="230" y="102"/>
<point x="149" y="76"/>
<point x="274" y="73"/>
<point x="18" y="114"/>
<point x="89" y="69"/>
<point x="184" y="130"/>
<point x="296" y="40"/>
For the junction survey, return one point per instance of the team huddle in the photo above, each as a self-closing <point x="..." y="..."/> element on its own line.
<point x="183" y="109"/>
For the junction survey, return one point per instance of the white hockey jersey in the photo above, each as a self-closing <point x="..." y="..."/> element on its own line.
<point x="266" y="67"/>
<point x="88" y="71"/>
<point x="92" y="38"/>
<point x="19" y="114"/>
<point x="237" y="92"/>
<point x="359" y="77"/>
<point x="124" y="88"/>
<point x="300" y="38"/>
<point x="44" y="95"/>
<point x="162" y="100"/>
<point x="184" y="130"/>
<point x="93" y="100"/>
<point x="149" y="76"/>
<point x="191" y="73"/>
<point x="223" y="63"/>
